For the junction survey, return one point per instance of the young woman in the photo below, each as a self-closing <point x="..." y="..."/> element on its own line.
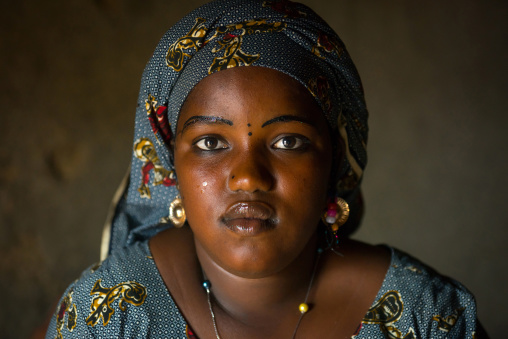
<point x="249" y="149"/>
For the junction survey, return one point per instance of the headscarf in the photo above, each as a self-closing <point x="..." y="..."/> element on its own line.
<point x="281" y="35"/>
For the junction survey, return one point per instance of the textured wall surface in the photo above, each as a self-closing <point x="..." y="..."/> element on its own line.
<point x="435" y="77"/>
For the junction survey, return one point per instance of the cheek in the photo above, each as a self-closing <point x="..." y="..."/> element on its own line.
<point x="309" y="175"/>
<point x="199" y="187"/>
<point x="304" y="187"/>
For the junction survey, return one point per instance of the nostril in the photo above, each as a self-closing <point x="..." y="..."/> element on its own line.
<point x="251" y="180"/>
<point x="250" y="171"/>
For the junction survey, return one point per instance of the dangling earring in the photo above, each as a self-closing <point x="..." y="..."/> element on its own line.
<point x="336" y="215"/>
<point x="177" y="212"/>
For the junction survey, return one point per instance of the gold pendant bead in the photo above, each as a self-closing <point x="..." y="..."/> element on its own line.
<point x="303" y="308"/>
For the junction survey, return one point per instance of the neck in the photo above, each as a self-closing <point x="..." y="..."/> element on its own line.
<point x="256" y="300"/>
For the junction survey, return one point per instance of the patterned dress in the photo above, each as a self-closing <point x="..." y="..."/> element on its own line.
<point x="125" y="297"/>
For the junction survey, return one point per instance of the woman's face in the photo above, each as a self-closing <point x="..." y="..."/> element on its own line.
<point x="253" y="158"/>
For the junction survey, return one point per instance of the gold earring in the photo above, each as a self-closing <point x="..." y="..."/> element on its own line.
<point x="336" y="215"/>
<point x="177" y="212"/>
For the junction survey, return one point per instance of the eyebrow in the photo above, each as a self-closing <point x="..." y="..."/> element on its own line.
<point x="287" y="118"/>
<point x="207" y="119"/>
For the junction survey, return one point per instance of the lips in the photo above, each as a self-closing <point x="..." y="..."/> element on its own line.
<point x="249" y="218"/>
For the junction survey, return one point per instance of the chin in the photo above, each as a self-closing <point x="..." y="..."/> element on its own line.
<point x="255" y="260"/>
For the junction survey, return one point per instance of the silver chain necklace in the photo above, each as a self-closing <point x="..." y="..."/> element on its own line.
<point x="303" y="307"/>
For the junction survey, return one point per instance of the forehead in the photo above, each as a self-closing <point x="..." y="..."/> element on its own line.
<point x="250" y="92"/>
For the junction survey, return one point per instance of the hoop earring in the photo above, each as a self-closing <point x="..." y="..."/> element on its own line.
<point x="177" y="212"/>
<point x="336" y="215"/>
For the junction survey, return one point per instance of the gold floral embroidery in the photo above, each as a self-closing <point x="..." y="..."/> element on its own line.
<point x="66" y="306"/>
<point x="387" y="309"/>
<point x="233" y="55"/>
<point x="132" y="292"/>
<point x="446" y="324"/>
<point x="395" y="333"/>
<point x="192" y="40"/>
<point x="413" y="269"/>
<point x="232" y="42"/>
<point x="145" y="151"/>
<point x="385" y="312"/>
<point x="326" y="44"/>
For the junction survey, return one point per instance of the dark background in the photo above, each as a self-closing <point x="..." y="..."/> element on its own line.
<point x="435" y="77"/>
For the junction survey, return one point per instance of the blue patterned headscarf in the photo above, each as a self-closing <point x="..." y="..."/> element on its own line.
<point x="281" y="35"/>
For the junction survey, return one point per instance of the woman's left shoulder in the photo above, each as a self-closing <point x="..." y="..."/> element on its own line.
<point x="417" y="301"/>
<point x="422" y="283"/>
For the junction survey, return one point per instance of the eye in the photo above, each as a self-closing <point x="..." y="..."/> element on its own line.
<point x="290" y="142"/>
<point x="210" y="144"/>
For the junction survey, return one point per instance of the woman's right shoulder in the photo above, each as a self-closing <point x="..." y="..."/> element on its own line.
<point x="119" y="296"/>
<point x="123" y="263"/>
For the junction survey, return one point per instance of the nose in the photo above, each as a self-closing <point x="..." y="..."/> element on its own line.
<point x="251" y="173"/>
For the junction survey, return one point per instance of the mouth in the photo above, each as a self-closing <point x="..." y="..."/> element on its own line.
<point x="249" y="218"/>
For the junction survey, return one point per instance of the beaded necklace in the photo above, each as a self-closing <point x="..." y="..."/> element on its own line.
<point x="303" y="307"/>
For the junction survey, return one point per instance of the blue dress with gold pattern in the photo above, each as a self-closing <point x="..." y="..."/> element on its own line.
<point x="125" y="297"/>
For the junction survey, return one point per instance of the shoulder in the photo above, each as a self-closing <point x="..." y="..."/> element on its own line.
<point x="416" y="301"/>
<point x="422" y="284"/>
<point x="122" y="296"/>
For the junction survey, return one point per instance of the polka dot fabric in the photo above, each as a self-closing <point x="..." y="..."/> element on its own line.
<point x="413" y="302"/>
<point x="156" y="317"/>
<point x="417" y="302"/>
<point x="281" y="35"/>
